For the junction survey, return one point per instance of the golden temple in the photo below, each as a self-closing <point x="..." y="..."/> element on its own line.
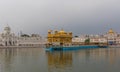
<point x="59" y="37"/>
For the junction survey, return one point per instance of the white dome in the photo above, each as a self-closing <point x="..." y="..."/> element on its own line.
<point x="7" y="29"/>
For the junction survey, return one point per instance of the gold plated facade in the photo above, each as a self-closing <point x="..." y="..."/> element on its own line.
<point x="59" y="37"/>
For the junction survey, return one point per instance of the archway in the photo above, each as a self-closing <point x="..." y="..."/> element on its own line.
<point x="6" y="43"/>
<point x="10" y="43"/>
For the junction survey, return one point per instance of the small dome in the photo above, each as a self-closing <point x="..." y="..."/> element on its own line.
<point x="70" y="33"/>
<point x="56" y="31"/>
<point x="7" y="29"/>
<point x="62" y="31"/>
<point x="49" y="30"/>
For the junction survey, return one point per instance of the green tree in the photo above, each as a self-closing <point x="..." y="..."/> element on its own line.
<point x="76" y="36"/>
<point x="25" y="35"/>
<point x="87" y="41"/>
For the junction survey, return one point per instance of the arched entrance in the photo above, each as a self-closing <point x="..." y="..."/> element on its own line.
<point x="6" y="43"/>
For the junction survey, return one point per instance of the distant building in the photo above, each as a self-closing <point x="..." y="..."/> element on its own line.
<point x="59" y="37"/>
<point x="7" y="38"/>
<point x="34" y="41"/>
<point x="98" y="40"/>
<point x="80" y="40"/>
<point x="110" y="38"/>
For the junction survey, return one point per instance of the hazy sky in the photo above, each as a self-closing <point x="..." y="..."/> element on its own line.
<point x="78" y="16"/>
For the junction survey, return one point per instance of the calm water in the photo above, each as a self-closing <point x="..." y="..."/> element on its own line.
<point x="37" y="60"/>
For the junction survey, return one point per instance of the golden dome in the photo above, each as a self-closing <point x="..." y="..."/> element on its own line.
<point x="111" y="31"/>
<point x="49" y="30"/>
<point x="62" y="31"/>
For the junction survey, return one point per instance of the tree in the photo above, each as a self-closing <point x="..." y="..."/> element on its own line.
<point x="25" y="35"/>
<point x="87" y="41"/>
<point x="76" y="36"/>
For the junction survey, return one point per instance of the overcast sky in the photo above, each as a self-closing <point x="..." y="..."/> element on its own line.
<point x="78" y="16"/>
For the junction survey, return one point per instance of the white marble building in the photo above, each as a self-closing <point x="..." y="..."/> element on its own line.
<point x="30" y="41"/>
<point x="98" y="40"/>
<point x="111" y="38"/>
<point x="7" y="38"/>
<point x="79" y="40"/>
<point x="94" y="39"/>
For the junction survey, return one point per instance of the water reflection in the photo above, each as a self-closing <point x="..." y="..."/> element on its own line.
<point x="22" y="60"/>
<point x="95" y="60"/>
<point x="58" y="61"/>
<point x="6" y="59"/>
<point x="98" y="54"/>
<point x="37" y="60"/>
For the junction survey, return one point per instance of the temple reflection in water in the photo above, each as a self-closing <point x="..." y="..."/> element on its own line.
<point x="59" y="60"/>
<point x="66" y="61"/>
